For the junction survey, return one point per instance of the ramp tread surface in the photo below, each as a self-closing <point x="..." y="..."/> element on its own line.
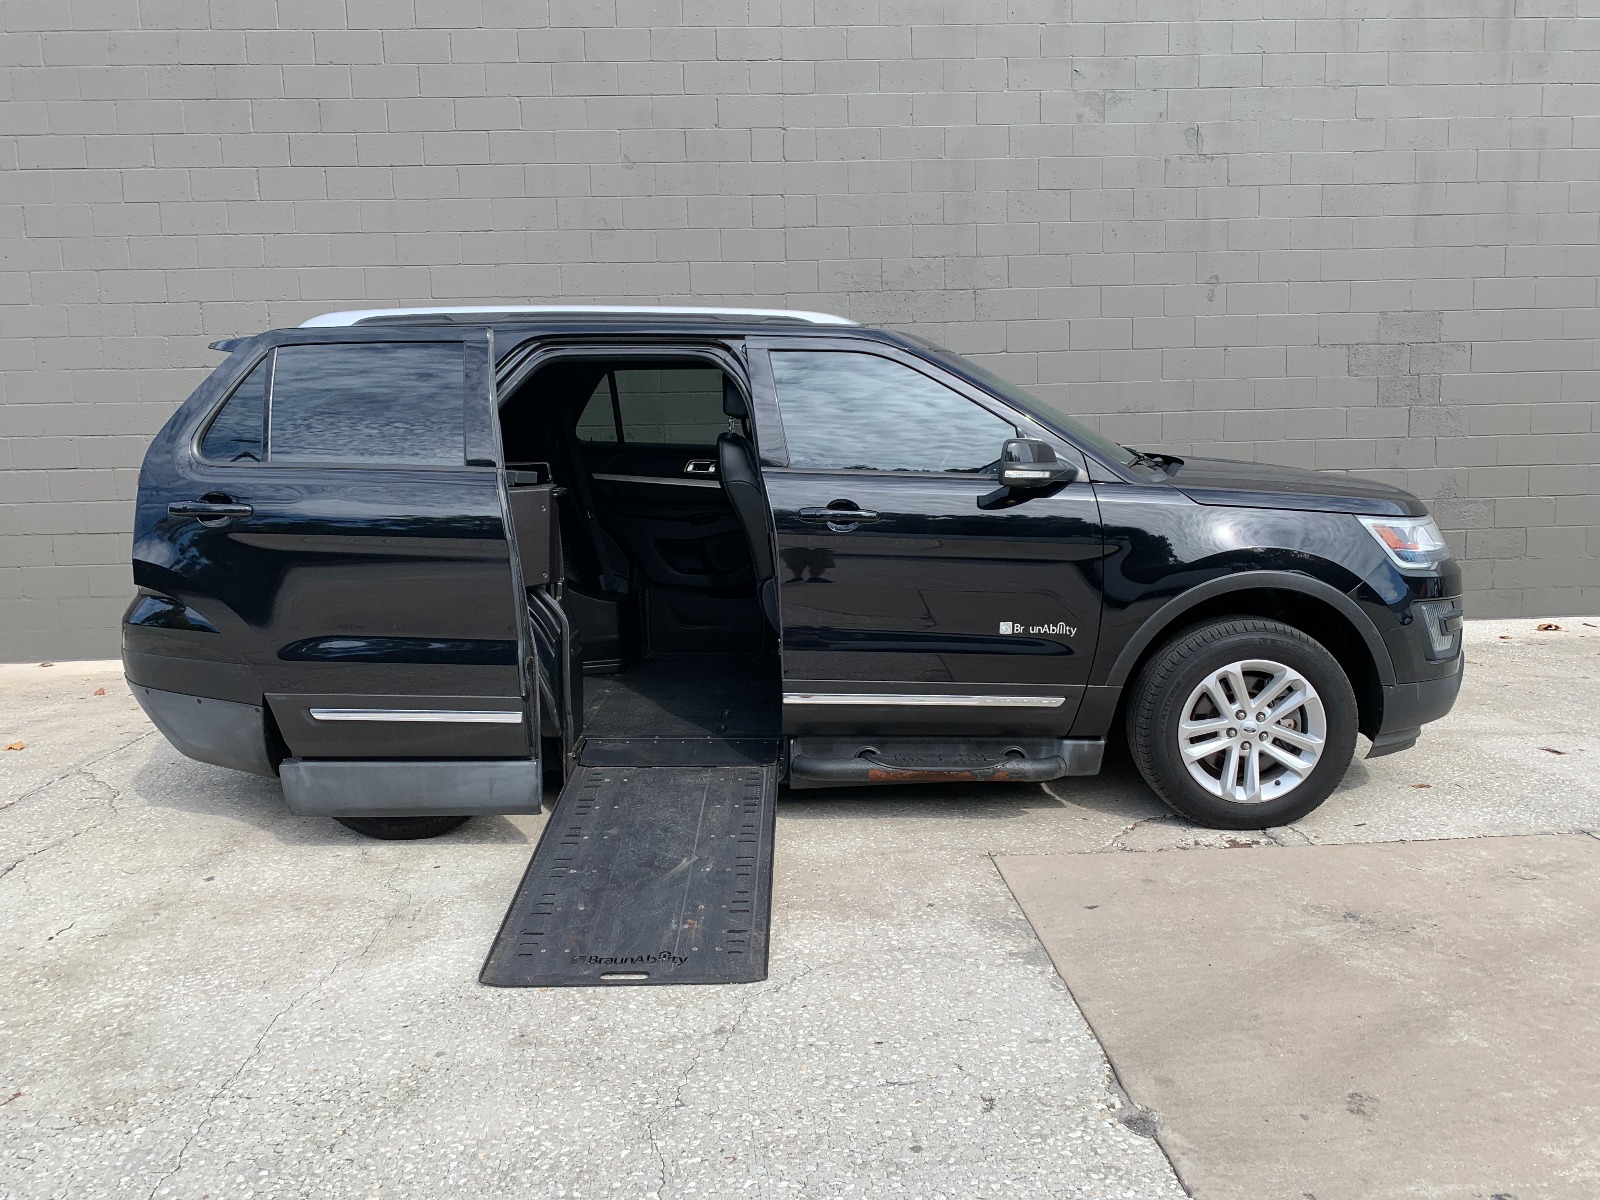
<point x="646" y="875"/>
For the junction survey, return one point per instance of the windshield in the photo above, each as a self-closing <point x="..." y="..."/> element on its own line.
<point x="1053" y="414"/>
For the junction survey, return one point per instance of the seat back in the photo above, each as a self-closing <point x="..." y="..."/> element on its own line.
<point x="739" y="472"/>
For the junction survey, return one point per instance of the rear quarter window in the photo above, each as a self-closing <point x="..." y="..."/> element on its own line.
<point x="238" y="432"/>
<point x="379" y="403"/>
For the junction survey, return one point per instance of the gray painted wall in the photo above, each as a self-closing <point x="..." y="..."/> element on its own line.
<point x="1359" y="235"/>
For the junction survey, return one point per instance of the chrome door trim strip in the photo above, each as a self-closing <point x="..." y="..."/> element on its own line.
<point x="899" y="699"/>
<point x="430" y="716"/>
<point x="706" y="483"/>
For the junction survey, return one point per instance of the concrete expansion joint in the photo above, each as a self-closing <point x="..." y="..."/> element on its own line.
<point x="1136" y="1118"/>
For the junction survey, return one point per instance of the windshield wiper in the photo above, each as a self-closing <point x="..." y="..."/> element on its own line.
<point x="1165" y="462"/>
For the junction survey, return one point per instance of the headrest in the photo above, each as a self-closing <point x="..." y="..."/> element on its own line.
<point x="733" y="403"/>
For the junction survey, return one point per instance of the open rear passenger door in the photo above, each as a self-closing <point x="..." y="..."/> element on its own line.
<point x="341" y="518"/>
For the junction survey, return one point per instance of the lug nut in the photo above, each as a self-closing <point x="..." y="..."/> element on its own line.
<point x="1261" y="716"/>
<point x="1263" y="737"/>
<point x="1245" y="746"/>
<point x="1233" y="733"/>
<point x="1240" y="714"/>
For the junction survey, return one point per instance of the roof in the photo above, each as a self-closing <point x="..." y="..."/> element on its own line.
<point x="492" y="312"/>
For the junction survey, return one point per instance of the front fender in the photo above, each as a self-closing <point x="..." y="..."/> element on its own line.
<point x="1170" y="615"/>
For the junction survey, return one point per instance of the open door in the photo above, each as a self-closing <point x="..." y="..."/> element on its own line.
<point x="341" y="518"/>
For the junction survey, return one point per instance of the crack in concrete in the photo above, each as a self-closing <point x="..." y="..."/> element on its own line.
<point x="255" y="1051"/>
<point x="1277" y="837"/>
<point x="1124" y="832"/>
<point x="79" y="769"/>
<point x="694" y="1063"/>
<point x="116" y="792"/>
<point x="73" y="836"/>
<point x="406" y="900"/>
<point x="84" y="770"/>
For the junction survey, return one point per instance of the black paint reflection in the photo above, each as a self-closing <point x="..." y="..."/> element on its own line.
<point x="807" y="564"/>
<point x="861" y="412"/>
<point x="437" y="651"/>
<point x="935" y="590"/>
<point x="373" y="403"/>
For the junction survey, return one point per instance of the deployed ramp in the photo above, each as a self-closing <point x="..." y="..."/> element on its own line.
<point x="656" y="874"/>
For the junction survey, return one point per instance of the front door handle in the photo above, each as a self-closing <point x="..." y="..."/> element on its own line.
<point x="208" y="511"/>
<point x="839" y="516"/>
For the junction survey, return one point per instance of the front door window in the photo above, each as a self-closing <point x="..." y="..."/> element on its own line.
<point x="858" y="412"/>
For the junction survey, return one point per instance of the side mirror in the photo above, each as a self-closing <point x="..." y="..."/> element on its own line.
<point x="1031" y="464"/>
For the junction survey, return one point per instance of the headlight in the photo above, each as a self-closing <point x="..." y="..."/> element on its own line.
<point x="1412" y="543"/>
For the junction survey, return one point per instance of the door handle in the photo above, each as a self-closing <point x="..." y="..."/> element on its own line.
<point x="700" y="466"/>
<point x="839" y="516"/>
<point x="209" y="512"/>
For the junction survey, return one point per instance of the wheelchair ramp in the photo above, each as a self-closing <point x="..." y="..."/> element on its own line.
<point x="657" y="874"/>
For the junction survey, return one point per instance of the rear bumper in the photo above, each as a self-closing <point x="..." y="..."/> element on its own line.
<point x="1407" y="707"/>
<point x="224" y="733"/>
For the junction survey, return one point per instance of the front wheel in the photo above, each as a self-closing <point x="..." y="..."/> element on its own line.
<point x="402" y="829"/>
<point x="1242" y="724"/>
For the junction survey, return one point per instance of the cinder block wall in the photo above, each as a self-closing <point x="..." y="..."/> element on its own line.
<point x="1356" y="235"/>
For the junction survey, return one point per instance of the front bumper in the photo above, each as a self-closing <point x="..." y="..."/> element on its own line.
<point x="1407" y="707"/>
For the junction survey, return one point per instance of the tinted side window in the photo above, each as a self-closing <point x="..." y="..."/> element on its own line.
<point x="597" y="422"/>
<point x="850" y="411"/>
<point x="376" y="403"/>
<point x="235" y="434"/>
<point x="677" y="406"/>
<point x="674" y="406"/>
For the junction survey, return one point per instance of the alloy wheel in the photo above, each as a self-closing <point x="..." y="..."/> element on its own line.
<point x="1252" y="731"/>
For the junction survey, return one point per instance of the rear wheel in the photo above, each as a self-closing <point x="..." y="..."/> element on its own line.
<point x="1242" y="723"/>
<point x="402" y="829"/>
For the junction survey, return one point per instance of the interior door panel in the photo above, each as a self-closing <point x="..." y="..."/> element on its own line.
<point x="662" y="504"/>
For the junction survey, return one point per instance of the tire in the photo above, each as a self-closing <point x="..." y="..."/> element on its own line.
<point x="402" y="829"/>
<point x="1248" y="782"/>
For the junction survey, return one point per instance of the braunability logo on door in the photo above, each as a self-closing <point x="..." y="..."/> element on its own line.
<point x="1059" y="629"/>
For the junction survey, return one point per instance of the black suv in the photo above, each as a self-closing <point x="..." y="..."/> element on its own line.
<point x="405" y="559"/>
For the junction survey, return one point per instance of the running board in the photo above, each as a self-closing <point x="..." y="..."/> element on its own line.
<point x="655" y="874"/>
<point x="830" y="762"/>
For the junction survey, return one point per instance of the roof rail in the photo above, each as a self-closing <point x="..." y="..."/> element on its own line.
<point x="362" y="316"/>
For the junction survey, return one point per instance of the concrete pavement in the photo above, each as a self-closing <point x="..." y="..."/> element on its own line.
<point x="211" y="997"/>
<point x="1370" y="1021"/>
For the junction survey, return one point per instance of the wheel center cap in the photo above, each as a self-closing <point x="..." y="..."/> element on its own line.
<point x="1249" y="726"/>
